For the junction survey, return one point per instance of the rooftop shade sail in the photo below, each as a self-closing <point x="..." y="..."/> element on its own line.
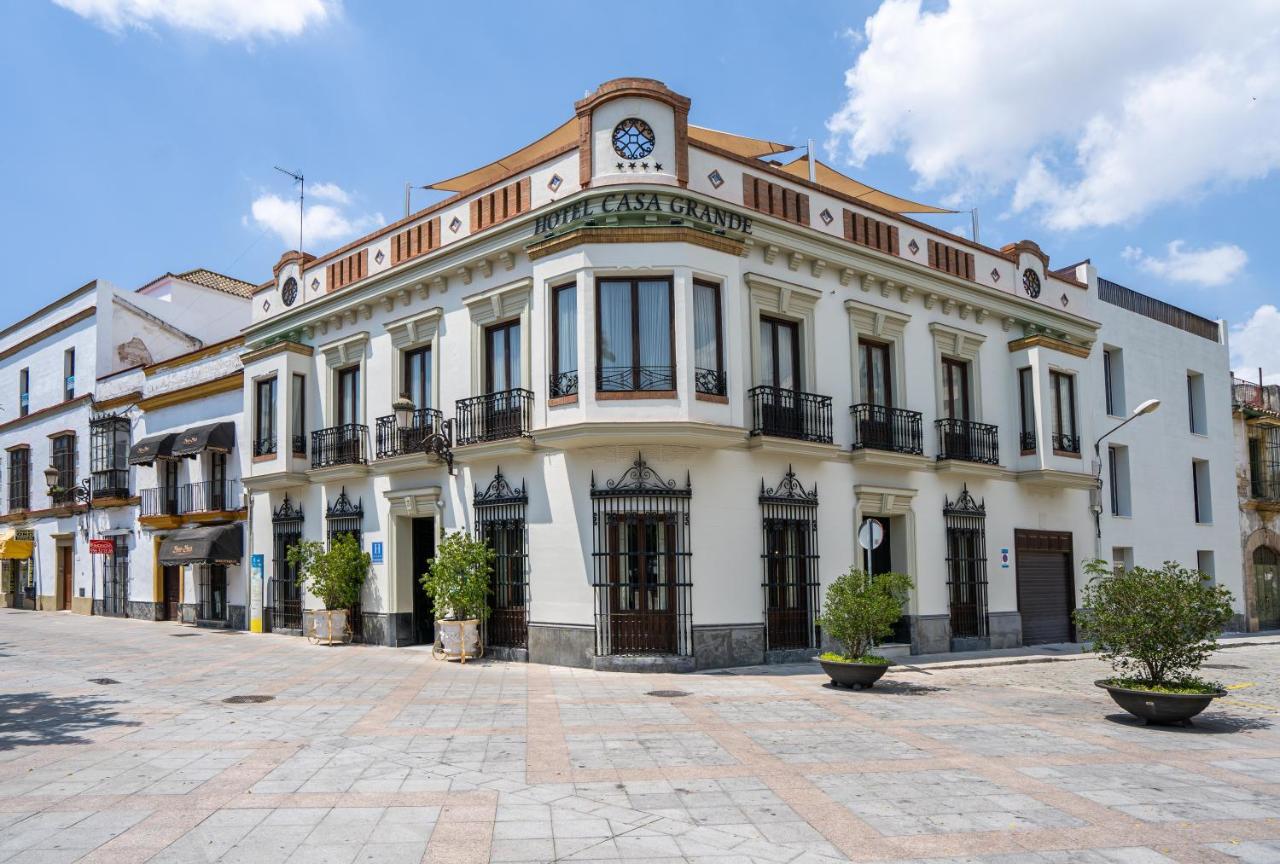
<point x="217" y="544"/>
<point x="215" y="436"/>
<point x="13" y="549"/>
<point x="567" y="135"/>
<point x="825" y="175"/>
<point x="148" y="450"/>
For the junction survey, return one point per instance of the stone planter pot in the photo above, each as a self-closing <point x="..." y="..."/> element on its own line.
<point x="329" y="626"/>
<point x="459" y="640"/>
<point x="1160" y="709"/>
<point x="858" y="676"/>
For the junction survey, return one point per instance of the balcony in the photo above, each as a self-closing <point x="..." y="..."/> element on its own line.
<point x="710" y="382"/>
<point x="391" y="440"/>
<point x="1027" y="441"/>
<point x="894" y="430"/>
<point x="110" y="484"/>
<point x="159" y="502"/>
<point x="635" y="379"/>
<point x="783" y="413"/>
<point x="494" y="417"/>
<point x="299" y="445"/>
<point x="264" y="446"/>
<point x="210" y="496"/>
<point x="340" y="445"/>
<point x="563" y="384"/>
<point x="968" y="441"/>
<point x="1265" y="489"/>
<point x="1067" y="444"/>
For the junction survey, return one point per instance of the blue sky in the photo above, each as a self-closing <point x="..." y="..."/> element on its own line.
<point x="137" y="144"/>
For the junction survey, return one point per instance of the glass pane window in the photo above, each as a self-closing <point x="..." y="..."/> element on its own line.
<point x="298" y="404"/>
<point x="780" y="353"/>
<point x="955" y="389"/>
<point x="1063" y="387"/>
<point x="1027" y="408"/>
<point x="635" y="338"/>
<point x="502" y="357"/>
<point x="265" y="421"/>
<point x="565" y="333"/>
<point x="874" y="372"/>
<point x="417" y="376"/>
<point x="348" y="395"/>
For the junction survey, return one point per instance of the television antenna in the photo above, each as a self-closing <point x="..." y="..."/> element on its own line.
<point x="302" y="196"/>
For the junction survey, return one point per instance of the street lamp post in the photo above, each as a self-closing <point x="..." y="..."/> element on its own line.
<point x="82" y="493"/>
<point x="1143" y="408"/>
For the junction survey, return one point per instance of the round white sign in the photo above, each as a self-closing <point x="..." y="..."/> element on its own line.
<point x="870" y="534"/>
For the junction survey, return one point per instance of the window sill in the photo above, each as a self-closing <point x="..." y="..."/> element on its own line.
<point x="265" y="457"/>
<point x="711" y="397"/>
<point x="556" y="401"/>
<point x="1069" y="454"/>
<point x="611" y="395"/>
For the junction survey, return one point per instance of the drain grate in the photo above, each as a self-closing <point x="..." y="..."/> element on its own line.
<point x="251" y="699"/>
<point x="183" y="635"/>
<point x="103" y="681"/>
<point x="667" y="694"/>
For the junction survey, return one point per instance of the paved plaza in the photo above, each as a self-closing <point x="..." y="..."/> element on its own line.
<point x="117" y="743"/>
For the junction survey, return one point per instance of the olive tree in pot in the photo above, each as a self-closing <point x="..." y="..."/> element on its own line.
<point x="335" y="575"/>
<point x="458" y="585"/>
<point x="860" y="610"/>
<point x="1156" y="628"/>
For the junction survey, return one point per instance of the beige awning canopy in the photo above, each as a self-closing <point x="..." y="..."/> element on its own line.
<point x="567" y="134"/>
<point x="825" y="175"/>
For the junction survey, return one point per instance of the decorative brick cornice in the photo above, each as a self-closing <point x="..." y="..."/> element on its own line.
<point x="674" y="234"/>
<point x="1042" y="341"/>
<point x="193" y="356"/>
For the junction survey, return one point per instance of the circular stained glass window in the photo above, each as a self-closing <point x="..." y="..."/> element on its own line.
<point x="1031" y="283"/>
<point x="289" y="292"/>
<point x="633" y="138"/>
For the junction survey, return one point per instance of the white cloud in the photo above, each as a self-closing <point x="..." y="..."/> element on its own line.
<point x="1092" y="112"/>
<point x="1255" y="345"/>
<point x="222" y="19"/>
<point x="322" y="223"/>
<point x="1216" y="265"/>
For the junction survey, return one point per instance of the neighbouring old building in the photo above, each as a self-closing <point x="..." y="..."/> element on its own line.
<point x="667" y="379"/>
<point x="1256" y="428"/>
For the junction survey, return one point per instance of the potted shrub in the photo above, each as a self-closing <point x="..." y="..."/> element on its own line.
<point x="458" y="585"/>
<point x="335" y="575"/>
<point x="1155" y="627"/>
<point x="860" y="610"/>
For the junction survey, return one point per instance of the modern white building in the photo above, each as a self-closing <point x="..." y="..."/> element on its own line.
<point x="51" y="362"/>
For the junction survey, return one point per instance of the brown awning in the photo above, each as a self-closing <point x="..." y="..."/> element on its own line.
<point x="148" y="450"/>
<point x="218" y="544"/>
<point x="220" y="437"/>
<point x="825" y="175"/>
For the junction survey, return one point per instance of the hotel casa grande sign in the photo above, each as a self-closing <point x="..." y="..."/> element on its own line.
<point x="619" y="203"/>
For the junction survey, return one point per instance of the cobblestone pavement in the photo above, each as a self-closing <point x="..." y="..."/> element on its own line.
<point x="381" y="755"/>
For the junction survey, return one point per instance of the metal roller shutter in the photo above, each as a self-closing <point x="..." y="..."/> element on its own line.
<point x="1046" y="587"/>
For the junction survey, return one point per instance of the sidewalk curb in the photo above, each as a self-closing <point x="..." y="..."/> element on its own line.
<point x="1048" y="658"/>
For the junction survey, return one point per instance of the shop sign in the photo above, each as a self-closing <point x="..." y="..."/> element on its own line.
<point x="616" y="203"/>
<point x="101" y="547"/>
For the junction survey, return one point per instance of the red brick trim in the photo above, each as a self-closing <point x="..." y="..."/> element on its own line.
<point x="556" y="401"/>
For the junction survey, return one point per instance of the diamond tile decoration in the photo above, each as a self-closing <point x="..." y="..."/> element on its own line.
<point x="379" y="257"/>
<point x="716" y="180"/>
<point x="266" y="305"/>
<point x="995" y="275"/>
<point x="554" y="183"/>
<point x="827" y="218"/>
<point x="455" y="224"/>
<point x="913" y="246"/>
<point x="315" y="284"/>
<point x="1065" y="301"/>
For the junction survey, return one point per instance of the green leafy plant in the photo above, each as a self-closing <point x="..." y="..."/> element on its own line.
<point x="861" y="609"/>
<point x="458" y="580"/>
<point x="336" y="574"/>
<point x="1155" y="627"/>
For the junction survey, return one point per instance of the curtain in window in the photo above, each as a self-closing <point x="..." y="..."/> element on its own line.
<point x="706" y="350"/>
<point x="615" y="328"/>
<point x="566" y="330"/>
<point x="655" y="323"/>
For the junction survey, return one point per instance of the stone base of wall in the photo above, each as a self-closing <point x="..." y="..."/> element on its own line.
<point x="794" y="655"/>
<point x="47" y="603"/>
<point x="144" y="611"/>
<point x="930" y="634"/>
<point x="237" y="618"/>
<point x="663" y="663"/>
<point x="1239" y="623"/>
<point x="1005" y="629"/>
<point x="562" y="644"/>
<point x="504" y="652"/>
<point x="82" y="605"/>
<point x="719" y="645"/>
<point x="187" y="612"/>
<point x="969" y="643"/>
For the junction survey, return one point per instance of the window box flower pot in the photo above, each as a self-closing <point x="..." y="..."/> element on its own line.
<point x="856" y="676"/>
<point x="1160" y="709"/>
<point x="458" y="639"/>
<point x="329" y="626"/>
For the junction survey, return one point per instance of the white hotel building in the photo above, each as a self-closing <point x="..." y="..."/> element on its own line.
<point x="672" y="378"/>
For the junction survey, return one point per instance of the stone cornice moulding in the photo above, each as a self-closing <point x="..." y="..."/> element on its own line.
<point x="276" y="348"/>
<point x="416" y="329"/>
<point x="884" y="500"/>
<point x="876" y="321"/>
<point x="1044" y="341"/>
<point x="227" y="383"/>
<point x="503" y="301"/>
<point x="420" y="501"/>
<point x="955" y="342"/>
<point x="345" y="351"/>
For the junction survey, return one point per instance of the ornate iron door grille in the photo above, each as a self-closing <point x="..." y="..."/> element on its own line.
<point x="115" y="579"/>
<point x="284" y="595"/>
<point x="966" y="524"/>
<point x="790" y="556"/>
<point x="642" y="563"/>
<point x="343" y="517"/>
<point x="500" y="522"/>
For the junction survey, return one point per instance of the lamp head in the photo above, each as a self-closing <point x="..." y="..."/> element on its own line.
<point x="51" y="478"/>
<point x="1146" y="407"/>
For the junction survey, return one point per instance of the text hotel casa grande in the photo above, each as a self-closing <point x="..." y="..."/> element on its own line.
<point x="667" y="378"/>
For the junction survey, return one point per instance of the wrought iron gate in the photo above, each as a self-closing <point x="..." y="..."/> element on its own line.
<point x="115" y="579"/>
<point x="790" y="521"/>
<point x="966" y="523"/>
<point x="343" y="517"/>
<point x="284" y="595"/>
<point x="500" y="522"/>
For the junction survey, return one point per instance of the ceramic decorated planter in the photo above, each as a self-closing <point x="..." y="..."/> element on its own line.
<point x="459" y="640"/>
<point x="1160" y="709"/>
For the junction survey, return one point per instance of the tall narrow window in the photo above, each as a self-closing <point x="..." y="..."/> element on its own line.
<point x="955" y="389"/>
<point x="1196" y="404"/>
<point x="564" y="340"/>
<point x="109" y="455"/>
<point x="1113" y="380"/>
<point x="1027" y="409"/>
<point x="875" y="373"/>
<point x="1063" y="387"/>
<point x="780" y="354"/>
<point x="219" y="491"/>
<point x="284" y="597"/>
<point x="64" y="461"/>
<point x="1200" y="491"/>
<point x="966" y="525"/>
<point x="502" y="357"/>
<point x="20" y="479"/>
<point x="24" y="392"/>
<point x="708" y="350"/>
<point x="298" y="404"/>
<point x="636" y="345"/>
<point x="69" y="374"/>
<point x="1118" y="480"/>
<point x="264" y="437"/>
<point x="417" y="377"/>
<point x="348" y="396"/>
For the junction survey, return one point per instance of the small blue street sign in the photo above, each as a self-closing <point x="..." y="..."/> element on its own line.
<point x="375" y="551"/>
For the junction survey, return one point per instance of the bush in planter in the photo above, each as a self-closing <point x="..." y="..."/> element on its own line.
<point x="335" y="574"/>
<point x="860" y="610"/>
<point x="1155" y="627"/>
<point x="458" y="580"/>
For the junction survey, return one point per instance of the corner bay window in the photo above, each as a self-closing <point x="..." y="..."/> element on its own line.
<point x="264" y="435"/>
<point x="109" y="456"/>
<point x="1063" y="390"/>
<point x="636" y="342"/>
<point x="564" y="341"/>
<point x="708" y="346"/>
<point x="1026" y="410"/>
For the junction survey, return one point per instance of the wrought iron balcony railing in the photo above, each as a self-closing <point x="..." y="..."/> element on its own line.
<point x="880" y="427"/>
<point x="160" y="501"/>
<point x="786" y="413"/>
<point x="110" y="484"/>
<point x="494" y="416"/>
<point x="299" y="445"/>
<point x="1264" y="488"/>
<point x="1063" y="443"/>
<point x="713" y="382"/>
<point x="563" y="384"/>
<point x="635" y="378"/>
<point x="264" y="446"/>
<point x="340" y="445"/>
<point x="391" y="439"/>
<point x="1027" y="440"/>
<point x="968" y="441"/>
<point x="210" y="496"/>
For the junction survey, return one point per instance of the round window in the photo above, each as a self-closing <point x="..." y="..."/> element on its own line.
<point x="289" y="291"/>
<point x="633" y="138"/>
<point x="1031" y="283"/>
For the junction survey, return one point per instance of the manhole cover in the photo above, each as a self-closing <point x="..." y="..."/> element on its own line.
<point x="182" y="635"/>
<point x="103" y="681"/>
<point x="251" y="699"/>
<point x="667" y="694"/>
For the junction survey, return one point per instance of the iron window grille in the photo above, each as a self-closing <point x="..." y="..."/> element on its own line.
<point x="563" y="384"/>
<point x="966" y="526"/>
<point x="1264" y="463"/>
<point x="64" y="462"/>
<point x="109" y="455"/>
<point x="641" y="563"/>
<point x="20" y="479"/>
<point x="213" y="591"/>
<point x="501" y="523"/>
<point x="790" y="520"/>
<point x="115" y="579"/>
<point x="343" y="517"/>
<point x="284" y="595"/>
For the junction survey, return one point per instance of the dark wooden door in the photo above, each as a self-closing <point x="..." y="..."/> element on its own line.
<point x="170" y="578"/>
<point x="66" y="575"/>
<point x="1266" y="588"/>
<point x="424" y="550"/>
<point x="1046" y="586"/>
<point x="643" y="573"/>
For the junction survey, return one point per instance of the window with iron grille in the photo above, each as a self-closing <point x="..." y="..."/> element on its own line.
<point x="564" y="340"/>
<point x="284" y="595"/>
<point x="500" y="522"/>
<point x="966" y="525"/>
<point x="20" y="479"/>
<point x="343" y="517"/>
<point x="64" y="462"/>
<point x="109" y="455"/>
<point x="212" y="584"/>
<point x="115" y="578"/>
<point x="641" y="563"/>
<point x="264" y="423"/>
<point x="790" y="522"/>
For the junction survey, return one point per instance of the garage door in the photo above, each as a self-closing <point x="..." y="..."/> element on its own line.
<point x="1046" y="588"/>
